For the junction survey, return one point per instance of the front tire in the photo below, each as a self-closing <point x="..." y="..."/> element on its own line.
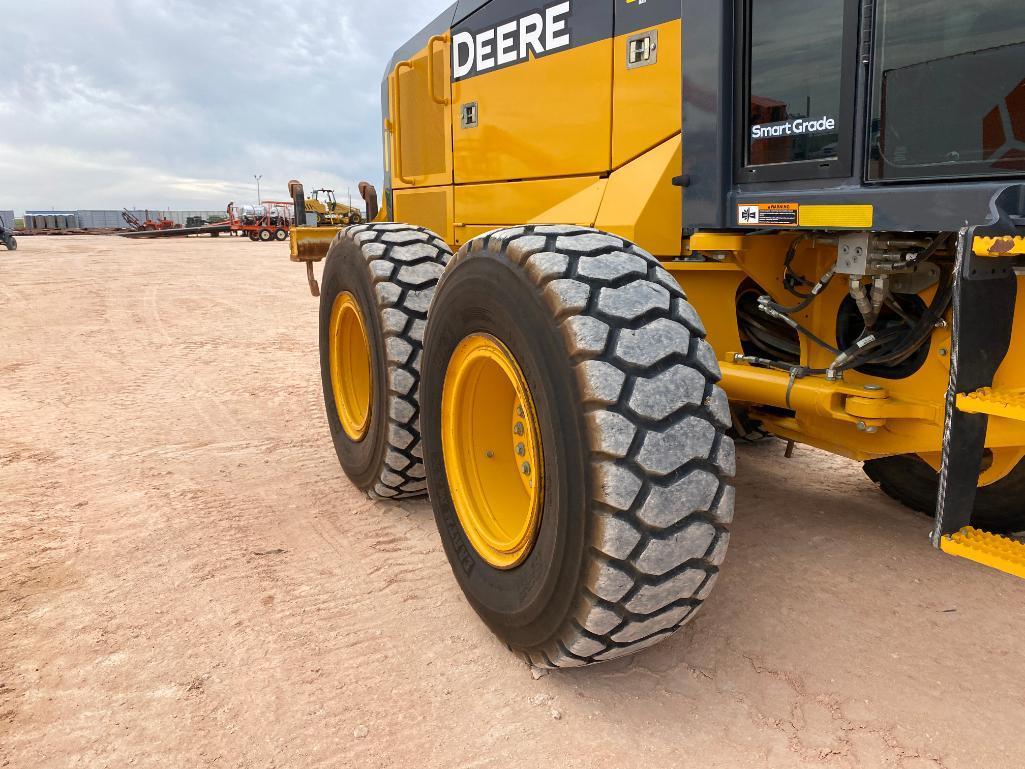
<point x="634" y="520"/>
<point x="909" y="479"/>
<point x="377" y="286"/>
<point x="266" y="236"/>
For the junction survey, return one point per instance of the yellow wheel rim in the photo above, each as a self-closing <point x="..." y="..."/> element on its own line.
<point x="492" y="449"/>
<point x="349" y="355"/>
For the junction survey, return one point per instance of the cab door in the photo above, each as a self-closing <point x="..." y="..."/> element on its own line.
<point x="420" y="125"/>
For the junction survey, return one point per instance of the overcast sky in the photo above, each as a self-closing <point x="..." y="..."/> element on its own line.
<point x="177" y="103"/>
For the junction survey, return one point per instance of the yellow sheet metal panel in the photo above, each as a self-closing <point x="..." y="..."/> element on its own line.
<point x="642" y="204"/>
<point x="715" y="242"/>
<point x="421" y="118"/>
<point x="543" y="118"/>
<point x="431" y="208"/>
<point x="860" y="217"/>
<point x="520" y="202"/>
<point x="712" y="288"/>
<point x="1001" y="553"/>
<point x="646" y="100"/>
<point x="581" y="208"/>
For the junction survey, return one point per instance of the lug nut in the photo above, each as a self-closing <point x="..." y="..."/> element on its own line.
<point x="518" y="428"/>
<point x="526" y="468"/>
<point x="519" y="412"/>
<point x="521" y="449"/>
<point x="489" y="454"/>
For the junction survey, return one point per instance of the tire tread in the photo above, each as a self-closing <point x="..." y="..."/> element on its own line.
<point x="405" y="264"/>
<point x="624" y="321"/>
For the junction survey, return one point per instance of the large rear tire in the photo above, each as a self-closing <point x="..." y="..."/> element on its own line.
<point x="598" y="342"/>
<point x="909" y="479"/>
<point x="377" y="286"/>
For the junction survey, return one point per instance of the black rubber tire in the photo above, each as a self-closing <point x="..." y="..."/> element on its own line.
<point x="355" y="218"/>
<point x="266" y="236"/>
<point x="253" y="236"/>
<point x="280" y="235"/>
<point x="391" y="270"/>
<point x="909" y="479"/>
<point x="10" y="242"/>
<point x="637" y="505"/>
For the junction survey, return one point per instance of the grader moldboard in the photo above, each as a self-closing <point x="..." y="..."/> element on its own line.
<point x="615" y="235"/>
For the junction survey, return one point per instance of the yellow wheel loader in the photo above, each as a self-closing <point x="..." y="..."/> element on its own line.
<point x="617" y="235"/>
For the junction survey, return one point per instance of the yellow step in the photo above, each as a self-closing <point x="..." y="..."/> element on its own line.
<point x="1009" y="404"/>
<point x="1001" y="553"/>
<point x="1006" y="245"/>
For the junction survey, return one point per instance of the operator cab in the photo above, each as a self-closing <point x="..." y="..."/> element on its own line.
<point x="861" y="104"/>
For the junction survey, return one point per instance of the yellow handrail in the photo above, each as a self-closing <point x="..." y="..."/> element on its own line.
<point x="443" y="101"/>
<point x="398" y="123"/>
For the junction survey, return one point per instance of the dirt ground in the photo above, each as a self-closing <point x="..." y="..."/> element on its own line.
<point x="187" y="579"/>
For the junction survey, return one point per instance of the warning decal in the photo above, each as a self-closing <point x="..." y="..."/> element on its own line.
<point x="768" y="214"/>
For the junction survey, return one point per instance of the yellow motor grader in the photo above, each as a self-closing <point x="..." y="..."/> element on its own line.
<point x="617" y="235"/>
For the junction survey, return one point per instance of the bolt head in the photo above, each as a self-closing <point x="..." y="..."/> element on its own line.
<point x="526" y="468"/>
<point x="521" y="450"/>
<point x="518" y="428"/>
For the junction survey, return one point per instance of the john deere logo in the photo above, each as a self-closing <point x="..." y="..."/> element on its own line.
<point x="533" y="35"/>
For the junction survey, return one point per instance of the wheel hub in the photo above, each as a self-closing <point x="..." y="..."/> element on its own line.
<point x="349" y="354"/>
<point x="492" y="450"/>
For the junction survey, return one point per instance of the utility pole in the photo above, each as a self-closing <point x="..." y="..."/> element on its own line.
<point x="259" y="200"/>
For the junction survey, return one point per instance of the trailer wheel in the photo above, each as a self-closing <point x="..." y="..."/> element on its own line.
<point x="377" y="285"/>
<point x="355" y="218"/>
<point x="254" y="236"/>
<point x="575" y="443"/>
<point x="909" y="479"/>
<point x="266" y="236"/>
<point x="280" y="234"/>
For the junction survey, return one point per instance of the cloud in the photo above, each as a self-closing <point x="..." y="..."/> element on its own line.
<point x="178" y="103"/>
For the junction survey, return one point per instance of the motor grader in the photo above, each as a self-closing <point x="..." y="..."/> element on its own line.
<point x="329" y="212"/>
<point x="617" y="236"/>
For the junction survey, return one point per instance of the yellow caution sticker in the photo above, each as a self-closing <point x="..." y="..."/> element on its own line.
<point x="768" y="214"/>
<point x="777" y="215"/>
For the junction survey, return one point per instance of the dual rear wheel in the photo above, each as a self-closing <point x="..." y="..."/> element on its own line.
<point x="559" y="404"/>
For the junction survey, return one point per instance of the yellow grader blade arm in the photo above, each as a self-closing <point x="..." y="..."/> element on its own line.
<point x="309" y="245"/>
